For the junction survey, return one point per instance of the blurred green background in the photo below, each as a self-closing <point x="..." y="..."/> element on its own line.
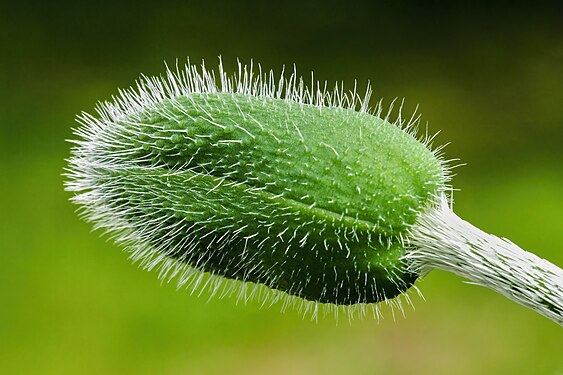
<point x="489" y="76"/>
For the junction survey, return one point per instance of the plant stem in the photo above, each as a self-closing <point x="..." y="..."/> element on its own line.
<point x="442" y="240"/>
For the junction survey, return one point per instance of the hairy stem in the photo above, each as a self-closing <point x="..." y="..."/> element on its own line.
<point x="442" y="240"/>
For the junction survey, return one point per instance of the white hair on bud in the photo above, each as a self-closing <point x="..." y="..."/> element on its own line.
<point x="248" y="80"/>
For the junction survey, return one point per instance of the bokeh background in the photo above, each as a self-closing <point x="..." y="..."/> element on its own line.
<point x="489" y="76"/>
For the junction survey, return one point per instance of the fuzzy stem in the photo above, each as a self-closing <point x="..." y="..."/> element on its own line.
<point x="442" y="240"/>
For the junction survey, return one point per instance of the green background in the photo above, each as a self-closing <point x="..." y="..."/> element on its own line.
<point x="490" y="77"/>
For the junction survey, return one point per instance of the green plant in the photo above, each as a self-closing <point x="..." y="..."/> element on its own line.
<point x="266" y="181"/>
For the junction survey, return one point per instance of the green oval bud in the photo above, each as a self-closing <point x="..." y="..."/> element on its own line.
<point x="287" y="188"/>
